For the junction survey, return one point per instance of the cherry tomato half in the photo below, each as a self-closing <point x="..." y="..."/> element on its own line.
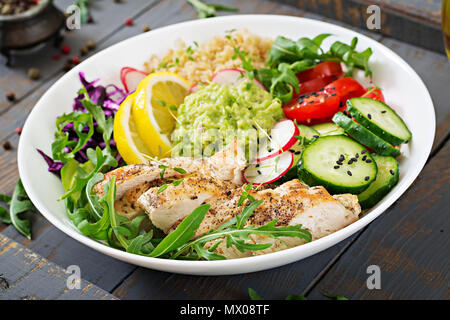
<point x="346" y="88"/>
<point x="314" y="84"/>
<point x="323" y="69"/>
<point x="374" y="93"/>
<point x="309" y="108"/>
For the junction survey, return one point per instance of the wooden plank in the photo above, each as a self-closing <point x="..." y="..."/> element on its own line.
<point x="412" y="21"/>
<point x="27" y="276"/>
<point x="409" y="243"/>
<point x="112" y="17"/>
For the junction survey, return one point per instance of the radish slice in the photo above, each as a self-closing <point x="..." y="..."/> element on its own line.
<point x="131" y="77"/>
<point x="232" y="77"/>
<point x="270" y="170"/>
<point x="193" y="88"/>
<point x="282" y="137"/>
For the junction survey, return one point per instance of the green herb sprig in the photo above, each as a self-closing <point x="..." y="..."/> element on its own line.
<point x="205" y="10"/>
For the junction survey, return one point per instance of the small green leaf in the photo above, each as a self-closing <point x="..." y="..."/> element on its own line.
<point x="254" y="295"/>
<point x="19" y="204"/>
<point x="183" y="233"/>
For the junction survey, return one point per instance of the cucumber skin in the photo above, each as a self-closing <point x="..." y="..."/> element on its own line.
<point x="379" y="194"/>
<point x="368" y="138"/>
<point x="308" y="130"/>
<point x="354" y="112"/>
<point x="312" y="180"/>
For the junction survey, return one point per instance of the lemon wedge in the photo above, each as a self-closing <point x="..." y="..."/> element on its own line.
<point x="157" y="98"/>
<point x="129" y="144"/>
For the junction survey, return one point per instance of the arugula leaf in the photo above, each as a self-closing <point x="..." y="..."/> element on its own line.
<point x="183" y="233"/>
<point x="295" y="297"/>
<point x="4" y="213"/>
<point x="21" y="203"/>
<point x="335" y="297"/>
<point x="80" y="122"/>
<point x="254" y="295"/>
<point x="209" y="10"/>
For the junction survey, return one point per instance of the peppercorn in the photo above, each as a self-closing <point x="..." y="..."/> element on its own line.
<point x="91" y="45"/>
<point x="11" y="96"/>
<point x="65" y="49"/>
<point x="7" y="145"/>
<point x="146" y="28"/>
<point x="129" y="22"/>
<point x="67" y="66"/>
<point x="19" y="130"/>
<point x="90" y="19"/>
<point x="75" y="60"/>
<point x="33" y="73"/>
<point x="84" y="51"/>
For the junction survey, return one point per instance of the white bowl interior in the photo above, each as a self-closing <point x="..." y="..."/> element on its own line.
<point x="401" y="86"/>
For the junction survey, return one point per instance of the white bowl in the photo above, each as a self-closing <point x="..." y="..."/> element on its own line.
<point x="402" y="87"/>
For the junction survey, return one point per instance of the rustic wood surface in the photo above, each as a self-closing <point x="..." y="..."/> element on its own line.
<point x="408" y="241"/>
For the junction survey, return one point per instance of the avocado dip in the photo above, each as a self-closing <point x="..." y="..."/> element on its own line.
<point x="215" y="115"/>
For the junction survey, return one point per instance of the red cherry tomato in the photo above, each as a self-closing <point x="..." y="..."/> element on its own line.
<point x="323" y="69"/>
<point x="314" y="84"/>
<point x="374" y="93"/>
<point x="310" y="108"/>
<point x="346" y="88"/>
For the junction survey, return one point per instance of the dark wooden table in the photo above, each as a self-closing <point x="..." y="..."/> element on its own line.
<point x="409" y="242"/>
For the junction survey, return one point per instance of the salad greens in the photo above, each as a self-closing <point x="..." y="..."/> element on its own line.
<point x="288" y="57"/>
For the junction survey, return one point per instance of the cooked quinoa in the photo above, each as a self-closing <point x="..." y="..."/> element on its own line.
<point x="198" y="63"/>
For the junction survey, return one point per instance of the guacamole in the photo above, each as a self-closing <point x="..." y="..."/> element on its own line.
<point x="216" y="114"/>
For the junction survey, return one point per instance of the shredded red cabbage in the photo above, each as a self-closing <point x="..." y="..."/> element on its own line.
<point x="109" y="98"/>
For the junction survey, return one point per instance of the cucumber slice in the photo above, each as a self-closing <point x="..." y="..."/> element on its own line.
<point x="328" y="129"/>
<point x="365" y="136"/>
<point x="307" y="133"/>
<point x="387" y="178"/>
<point x="328" y="162"/>
<point x="379" y="118"/>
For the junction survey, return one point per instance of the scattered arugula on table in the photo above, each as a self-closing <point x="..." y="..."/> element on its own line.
<point x="205" y="10"/>
<point x="17" y="204"/>
<point x="255" y="296"/>
<point x="84" y="9"/>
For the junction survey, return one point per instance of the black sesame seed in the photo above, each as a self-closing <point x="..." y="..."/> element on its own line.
<point x="364" y="158"/>
<point x="384" y="111"/>
<point x="391" y="171"/>
<point x="368" y="161"/>
<point x="257" y="165"/>
<point x="341" y="157"/>
<point x="354" y="159"/>
<point x="369" y="116"/>
<point x="254" y="127"/>
<point x="292" y="150"/>
<point x="339" y="162"/>
<point x="297" y="152"/>
<point x="333" y="94"/>
<point x="259" y="171"/>
<point x="350" y="161"/>
<point x="357" y="155"/>
<point x="315" y="136"/>
<point x="349" y="172"/>
<point x="269" y="150"/>
<point x="363" y="151"/>
<point x="321" y="89"/>
<point x="336" y="167"/>
<point x="367" y="178"/>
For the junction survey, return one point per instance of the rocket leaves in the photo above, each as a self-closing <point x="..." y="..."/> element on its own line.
<point x="288" y="57"/>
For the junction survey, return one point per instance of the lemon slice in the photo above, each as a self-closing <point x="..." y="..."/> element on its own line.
<point x="130" y="145"/>
<point x="157" y="99"/>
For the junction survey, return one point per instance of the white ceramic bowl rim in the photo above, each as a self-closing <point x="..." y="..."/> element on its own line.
<point x="237" y="265"/>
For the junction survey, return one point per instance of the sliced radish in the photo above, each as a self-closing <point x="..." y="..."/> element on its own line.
<point x="232" y="77"/>
<point x="270" y="170"/>
<point x="282" y="137"/>
<point x="193" y="88"/>
<point x="131" y="77"/>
